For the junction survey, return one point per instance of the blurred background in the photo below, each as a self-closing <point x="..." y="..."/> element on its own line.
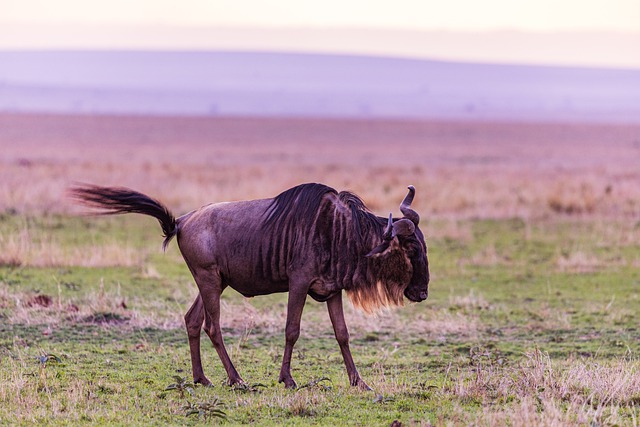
<point x="546" y="60"/>
<point x="497" y="108"/>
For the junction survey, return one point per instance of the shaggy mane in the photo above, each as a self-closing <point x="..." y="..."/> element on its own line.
<point x="363" y="219"/>
<point x="372" y="294"/>
<point x="299" y="204"/>
<point x="372" y="299"/>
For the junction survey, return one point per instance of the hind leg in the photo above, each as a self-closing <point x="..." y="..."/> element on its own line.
<point x="193" y="321"/>
<point x="210" y="285"/>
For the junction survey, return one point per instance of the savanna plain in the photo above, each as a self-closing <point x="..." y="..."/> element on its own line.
<point x="533" y="232"/>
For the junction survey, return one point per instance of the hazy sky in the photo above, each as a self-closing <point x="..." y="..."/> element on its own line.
<point x="564" y="32"/>
<point x="536" y="15"/>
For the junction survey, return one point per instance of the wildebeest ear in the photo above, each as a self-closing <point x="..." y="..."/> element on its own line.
<point x="403" y="227"/>
<point x="379" y="249"/>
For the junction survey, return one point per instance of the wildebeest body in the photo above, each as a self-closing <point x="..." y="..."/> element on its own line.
<point x="309" y="240"/>
<point x="215" y="237"/>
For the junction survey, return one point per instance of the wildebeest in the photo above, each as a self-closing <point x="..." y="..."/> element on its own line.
<point x="309" y="240"/>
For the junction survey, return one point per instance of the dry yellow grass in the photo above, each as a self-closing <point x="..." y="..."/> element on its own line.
<point x="460" y="169"/>
<point x="20" y="248"/>
<point x="576" y="392"/>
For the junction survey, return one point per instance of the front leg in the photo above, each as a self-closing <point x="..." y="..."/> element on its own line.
<point x="297" y="298"/>
<point x="336" y="314"/>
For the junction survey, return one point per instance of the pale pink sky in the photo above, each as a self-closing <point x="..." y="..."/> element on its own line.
<point x="567" y="32"/>
<point x="467" y="15"/>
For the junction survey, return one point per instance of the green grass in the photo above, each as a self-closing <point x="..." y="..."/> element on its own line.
<point x="526" y="322"/>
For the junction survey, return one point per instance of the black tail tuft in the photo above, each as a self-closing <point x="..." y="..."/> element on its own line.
<point x="120" y="200"/>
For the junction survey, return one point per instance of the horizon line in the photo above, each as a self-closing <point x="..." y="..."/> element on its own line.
<point x="579" y="48"/>
<point x="326" y="53"/>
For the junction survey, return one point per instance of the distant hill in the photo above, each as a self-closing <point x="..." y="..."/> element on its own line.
<point x="289" y="84"/>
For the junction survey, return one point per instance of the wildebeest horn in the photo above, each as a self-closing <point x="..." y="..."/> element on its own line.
<point x="387" y="237"/>
<point x="405" y="206"/>
<point x="388" y="232"/>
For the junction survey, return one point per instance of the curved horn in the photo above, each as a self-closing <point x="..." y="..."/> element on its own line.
<point x="388" y="232"/>
<point x="405" y="206"/>
<point x="386" y="240"/>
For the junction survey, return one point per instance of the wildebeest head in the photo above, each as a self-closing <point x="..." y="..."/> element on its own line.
<point x="403" y="240"/>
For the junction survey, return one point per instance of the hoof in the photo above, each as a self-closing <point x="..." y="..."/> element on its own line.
<point x="361" y="385"/>
<point x="288" y="383"/>
<point x="203" y="381"/>
<point x="236" y="382"/>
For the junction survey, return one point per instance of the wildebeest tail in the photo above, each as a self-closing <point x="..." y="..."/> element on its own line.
<point x="121" y="200"/>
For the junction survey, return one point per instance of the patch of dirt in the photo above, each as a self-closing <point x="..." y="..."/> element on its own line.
<point x="105" y="318"/>
<point x="10" y="261"/>
<point x="40" y="301"/>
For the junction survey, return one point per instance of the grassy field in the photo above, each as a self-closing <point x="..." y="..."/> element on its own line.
<point x="534" y="248"/>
